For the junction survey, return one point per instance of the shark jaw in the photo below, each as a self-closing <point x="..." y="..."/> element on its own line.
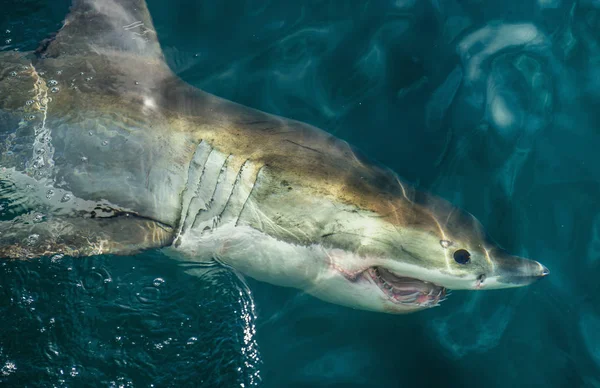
<point x="387" y="290"/>
<point x="407" y="291"/>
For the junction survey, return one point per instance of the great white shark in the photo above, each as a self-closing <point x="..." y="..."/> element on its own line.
<point x="105" y="151"/>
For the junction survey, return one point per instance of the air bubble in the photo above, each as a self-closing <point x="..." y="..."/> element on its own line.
<point x="8" y="368"/>
<point x="158" y="282"/>
<point x="49" y="193"/>
<point x="39" y="163"/>
<point x="74" y="372"/>
<point x="55" y="90"/>
<point x="84" y="158"/>
<point x="32" y="239"/>
<point x="38" y="218"/>
<point x="89" y="78"/>
<point x="66" y="198"/>
<point x="13" y="73"/>
<point x="59" y="72"/>
<point x="29" y="102"/>
<point x="56" y="259"/>
<point x="191" y="340"/>
<point x="31" y="117"/>
<point x="137" y="83"/>
<point x="105" y="143"/>
<point x="7" y="31"/>
<point x="52" y="82"/>
<point x="8" y="41"/>
<point x="90" y="133"/>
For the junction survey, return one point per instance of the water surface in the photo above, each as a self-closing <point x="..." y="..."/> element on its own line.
<point x="493" y="105"/>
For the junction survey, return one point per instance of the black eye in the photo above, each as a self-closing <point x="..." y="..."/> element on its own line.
<point x="462" y="256"/>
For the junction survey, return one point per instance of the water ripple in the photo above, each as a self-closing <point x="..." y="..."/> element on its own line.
<point x="149" y="314"/>
<point x="493" y="105"/>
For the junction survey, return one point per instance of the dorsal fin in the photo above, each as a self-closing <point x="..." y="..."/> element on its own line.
<point x="106" y="27"/>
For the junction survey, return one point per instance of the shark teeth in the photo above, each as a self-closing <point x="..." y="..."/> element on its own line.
<point x="408" y="291"/>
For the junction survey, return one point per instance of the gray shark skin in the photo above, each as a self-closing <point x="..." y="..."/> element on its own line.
<point x="104" y="150"/>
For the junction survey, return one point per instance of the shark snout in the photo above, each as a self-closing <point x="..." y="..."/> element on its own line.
<point x="513" y="271"/>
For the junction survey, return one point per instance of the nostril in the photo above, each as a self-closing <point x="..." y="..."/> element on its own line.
<point x="479" y="282"/>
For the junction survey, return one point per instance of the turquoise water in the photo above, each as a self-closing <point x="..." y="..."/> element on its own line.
<point x="493" y="105"/>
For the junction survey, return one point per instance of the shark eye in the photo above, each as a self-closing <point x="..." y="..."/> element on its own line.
<point x="462" y="256"/>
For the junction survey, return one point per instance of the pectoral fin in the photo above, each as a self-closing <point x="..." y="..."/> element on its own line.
<point x="80" y="236"/>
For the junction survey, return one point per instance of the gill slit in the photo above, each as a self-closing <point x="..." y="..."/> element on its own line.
<point x="198" y="162"/>
<point x="210" y="202"/>
<point x="199" y="186"/>
<point x="238" y="178"/>
<point x="249" y="195"/>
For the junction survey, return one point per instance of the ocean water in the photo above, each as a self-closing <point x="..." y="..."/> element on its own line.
<point x="493" y="105"/>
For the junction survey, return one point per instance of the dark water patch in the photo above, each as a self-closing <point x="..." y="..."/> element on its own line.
<point x="25" y="23"/>
<point x="124" y="319"/>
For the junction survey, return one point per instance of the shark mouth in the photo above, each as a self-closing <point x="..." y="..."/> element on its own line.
<point x="407" y="291"/>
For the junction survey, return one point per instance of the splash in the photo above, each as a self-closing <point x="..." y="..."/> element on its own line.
<point x="43" y="151"/>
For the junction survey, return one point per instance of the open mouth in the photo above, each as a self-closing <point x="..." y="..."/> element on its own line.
<point x="408" y="291"/>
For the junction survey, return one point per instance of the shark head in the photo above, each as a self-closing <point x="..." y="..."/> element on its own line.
<point x="345" y="230"/>
<point x="407" y="254"/>
<point x="409" y="257"/>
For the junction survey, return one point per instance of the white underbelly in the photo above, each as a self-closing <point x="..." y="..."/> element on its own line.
<point x="256" y="254"/>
